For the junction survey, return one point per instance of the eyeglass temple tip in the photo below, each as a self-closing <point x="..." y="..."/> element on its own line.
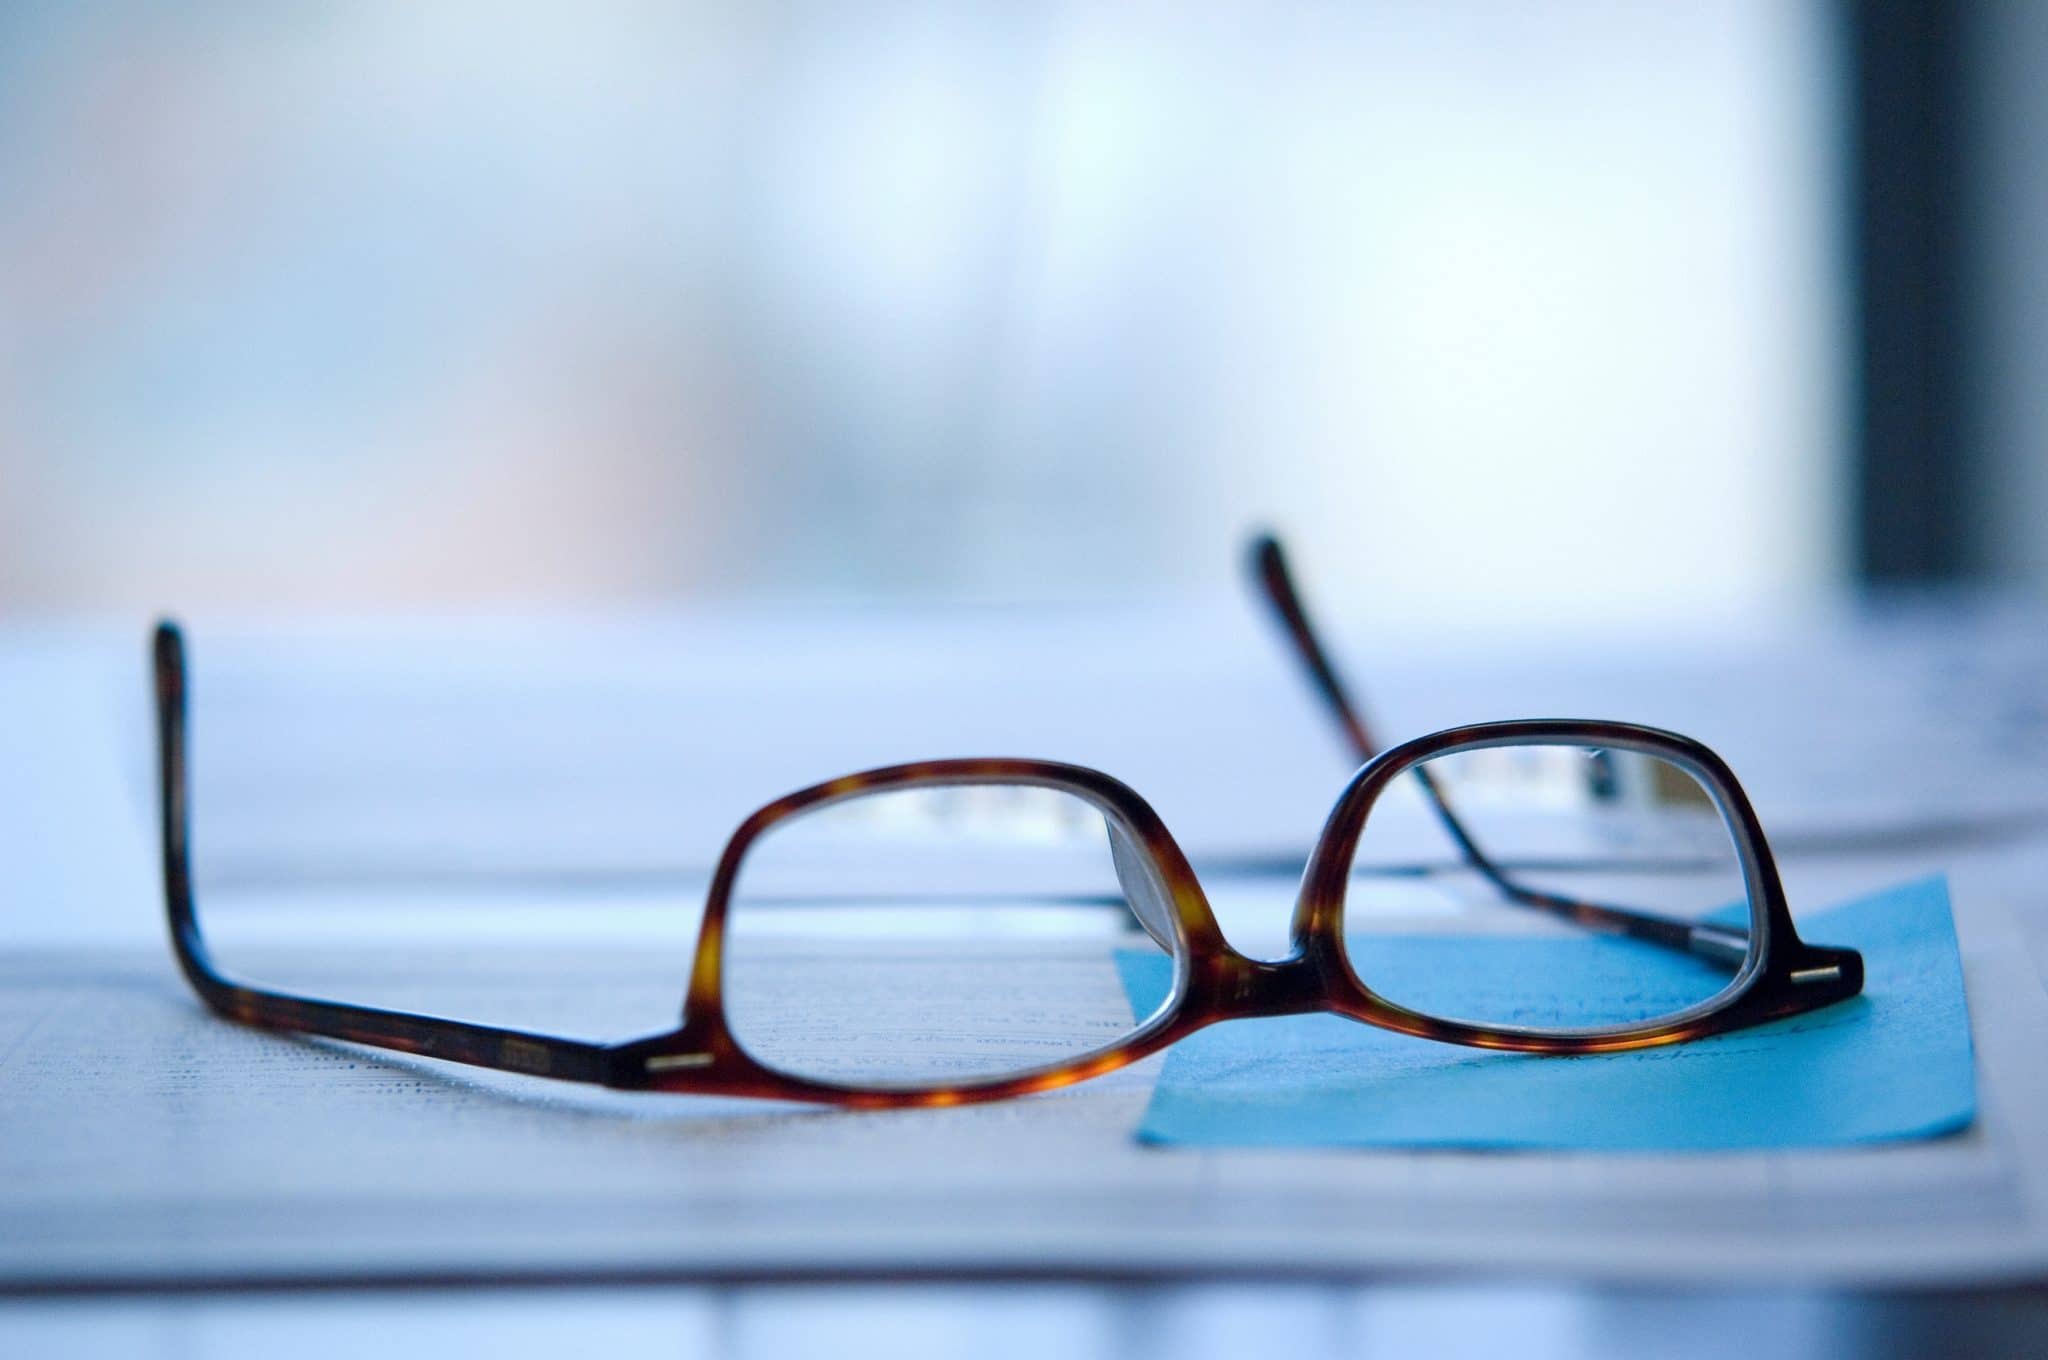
<point x="1275" y="582"/>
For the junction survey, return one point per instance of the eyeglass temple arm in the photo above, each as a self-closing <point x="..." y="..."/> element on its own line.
<point x="453" y="1040"/>
<point x="1277" y="588"/>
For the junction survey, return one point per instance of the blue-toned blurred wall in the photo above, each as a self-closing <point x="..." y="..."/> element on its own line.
<point x="1502" y="308"/>
<point x="2008" y="113"/>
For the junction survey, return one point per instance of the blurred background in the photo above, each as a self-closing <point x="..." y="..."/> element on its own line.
<point x="1508" y="310"/>
<point x="1617" y="345"/>
<point x="1514" y="310"/>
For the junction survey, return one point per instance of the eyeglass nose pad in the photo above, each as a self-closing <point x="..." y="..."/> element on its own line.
<point x="1144" y="891"/>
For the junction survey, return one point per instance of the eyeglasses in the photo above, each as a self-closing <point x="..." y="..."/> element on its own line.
<point x="967" y="930"/>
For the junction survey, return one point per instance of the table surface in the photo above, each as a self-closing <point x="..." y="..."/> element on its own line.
<point x="1995" y="669"/>
<point x="1188" y="1320"/>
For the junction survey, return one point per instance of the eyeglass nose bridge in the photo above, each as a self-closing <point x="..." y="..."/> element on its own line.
<point x="1229" y="986"/>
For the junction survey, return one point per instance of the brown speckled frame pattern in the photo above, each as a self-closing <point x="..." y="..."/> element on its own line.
<point x="1774" y="975"/>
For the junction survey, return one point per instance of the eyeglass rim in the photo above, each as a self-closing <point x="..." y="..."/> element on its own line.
<point x="1320" y="909"/>
<point x="1119" y="804"/>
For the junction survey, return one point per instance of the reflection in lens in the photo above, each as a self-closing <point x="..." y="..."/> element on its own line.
<point x="937" y="934"/>
<point x="1427" y="927"/>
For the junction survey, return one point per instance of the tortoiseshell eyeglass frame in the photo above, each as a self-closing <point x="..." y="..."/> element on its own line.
<point x="1773" y="973"/>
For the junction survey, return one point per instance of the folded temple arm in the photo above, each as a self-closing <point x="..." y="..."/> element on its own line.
<point x="1276" y="586"/>
<point x="455" y="1040"/>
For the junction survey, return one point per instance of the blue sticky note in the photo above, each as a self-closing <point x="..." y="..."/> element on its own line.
<point x="1893" y="1063"/>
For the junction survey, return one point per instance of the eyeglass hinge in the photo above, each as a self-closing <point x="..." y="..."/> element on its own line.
<point x="671" y="1062"/>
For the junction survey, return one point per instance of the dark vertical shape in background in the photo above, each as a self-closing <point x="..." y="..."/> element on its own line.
<point x="1915" y="451"/>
